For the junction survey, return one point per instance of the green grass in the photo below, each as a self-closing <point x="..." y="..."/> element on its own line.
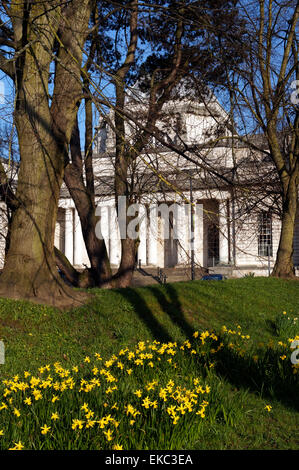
<point x="241" y="384"/>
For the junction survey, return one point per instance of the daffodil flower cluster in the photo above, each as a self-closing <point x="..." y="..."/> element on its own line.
<point x="100" y="396"/>
<point x="151" y="393"/>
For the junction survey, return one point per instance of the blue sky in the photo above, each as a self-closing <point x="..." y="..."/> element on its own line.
<point x="7" y="94"/>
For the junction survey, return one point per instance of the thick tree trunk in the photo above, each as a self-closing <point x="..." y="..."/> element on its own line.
<point x="284" y="266"/>
<point x="44" y="132"/>
<point x="124" y="275"/>
<point x="75" y="278"/>
<point x="66" y="268"/>
<point x="100" y="270"/>
<point x="30" y="270"/>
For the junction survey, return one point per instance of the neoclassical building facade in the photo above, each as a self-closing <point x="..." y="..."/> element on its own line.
<point x="236" y="230"/>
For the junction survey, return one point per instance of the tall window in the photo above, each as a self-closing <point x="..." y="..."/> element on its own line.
<point x="265" y="246"/>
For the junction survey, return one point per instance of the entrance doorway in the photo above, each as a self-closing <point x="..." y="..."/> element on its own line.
<point x="167" y="243"/>
<point x="210" y="232"/>
<point x="213" y="244"/>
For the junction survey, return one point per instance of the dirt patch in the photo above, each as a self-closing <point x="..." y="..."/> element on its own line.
<point x="10" y="323"/>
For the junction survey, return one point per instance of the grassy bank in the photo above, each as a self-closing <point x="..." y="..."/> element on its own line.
<point x="227" y="344"/>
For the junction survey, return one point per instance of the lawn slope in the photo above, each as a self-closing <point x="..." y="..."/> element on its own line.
<point x="254" y="391"/>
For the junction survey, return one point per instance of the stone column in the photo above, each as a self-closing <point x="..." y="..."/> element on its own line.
<point x="114" y="238"/>
<point x="152" y="236"/>
<point x="198" y="238"/>
<point x="79" y="245"/>
<point x="104" y="224"/>
<point x="69" y="235"/>
<point x="223" y="233"/>
<point x="183" y="234"/>
<point x="142" y="235"/>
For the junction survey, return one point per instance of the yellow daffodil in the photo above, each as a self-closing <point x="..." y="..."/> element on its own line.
<point x="45" y="429"/>
<point x="18" y="446"/>
<point x="117" y="447"/>
<point x="77" y="423"/>
<point x="108" y="434"/>
<point x="16" y="412"/>
<point x="54" y="398"/>
<point x="90" y="423"/>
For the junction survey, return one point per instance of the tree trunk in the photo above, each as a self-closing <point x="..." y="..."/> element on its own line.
<point x="124" y="275"/>
<point x="284" y="266"/>
<point x="100" y="270"/>
<point x="75" y="278"/>
<point x="30" y="270"/>
<point x="44" y="132"/>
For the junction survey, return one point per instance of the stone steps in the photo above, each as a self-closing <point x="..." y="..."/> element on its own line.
<point x="147" y="276"/>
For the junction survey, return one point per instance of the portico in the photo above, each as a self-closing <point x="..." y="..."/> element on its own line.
<point x="159" y="245"/>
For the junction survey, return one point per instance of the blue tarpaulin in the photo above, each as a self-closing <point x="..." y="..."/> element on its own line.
<point x="212" y="277"/>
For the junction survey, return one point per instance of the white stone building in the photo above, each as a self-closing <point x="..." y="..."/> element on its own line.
<point x="228" y="237"/>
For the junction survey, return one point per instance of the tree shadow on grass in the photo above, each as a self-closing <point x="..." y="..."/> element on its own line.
<point x="266" y="375"/>
<point x="169" y="301"/>
<point x="145" y="314"/>
<point x="263" y="377"/>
